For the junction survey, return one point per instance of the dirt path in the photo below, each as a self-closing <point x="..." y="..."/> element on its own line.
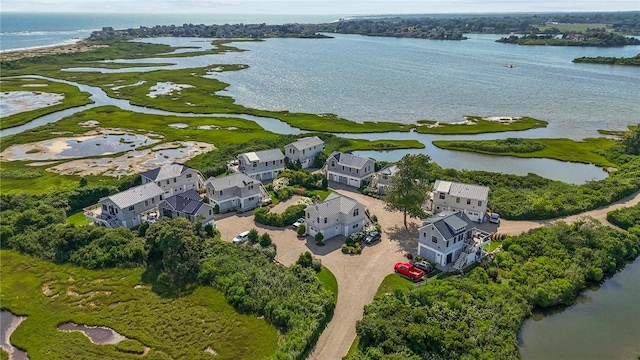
<point x="359" y="276"/>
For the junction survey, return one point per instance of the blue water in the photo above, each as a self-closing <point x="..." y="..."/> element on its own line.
<point x="22" y="30"/>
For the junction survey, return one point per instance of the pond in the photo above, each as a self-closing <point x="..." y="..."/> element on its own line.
<point x="97" y="335"/>
<point x="8" y="324"/>
<point x="603" y="324"/>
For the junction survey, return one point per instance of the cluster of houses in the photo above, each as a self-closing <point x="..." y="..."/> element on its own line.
<point x="176" y="190"/>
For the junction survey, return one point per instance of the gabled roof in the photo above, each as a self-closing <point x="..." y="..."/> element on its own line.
<point x="235" y="180"/>
<point x="136" y="195"/>
<point x="334" y="204"/>
<point x="264" y="155"/>
<point x="388" y="170"/>
<point x="165" y="172"/>
<point x="450" y="223"/>
<point x="467" y="191"/>
<point x="188" y="202"/>
<point x="350" y="160"/>
<point x="307" y="142"/>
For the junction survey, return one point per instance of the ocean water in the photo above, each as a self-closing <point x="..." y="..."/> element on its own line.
<point x="22" y="30"/>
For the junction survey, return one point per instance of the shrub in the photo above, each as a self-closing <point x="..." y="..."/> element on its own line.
<point x="284" y="193"/>
<point x="302" y="230"/>
<point x="265" y="240"/>
<point x="374" y="218"/>
<point x="288" y="217"/>
<point x="319" y="238"/>
<point x="253" y="236"/>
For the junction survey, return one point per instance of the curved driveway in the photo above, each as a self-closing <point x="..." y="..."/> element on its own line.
<point x="359" y="276"/>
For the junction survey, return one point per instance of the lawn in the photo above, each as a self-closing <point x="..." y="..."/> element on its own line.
<point x="173" y="327"/>
<point x="392" y="282"/>
<point x="588" y="151"/>
<point x="329" y="281"/>
<point x="77" y="219"/>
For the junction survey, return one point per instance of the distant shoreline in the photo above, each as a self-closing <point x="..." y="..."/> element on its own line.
<point x="78" y="45"/>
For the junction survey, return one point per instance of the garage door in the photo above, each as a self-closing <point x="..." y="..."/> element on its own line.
<point x="331" y="232"/>
<point x="311" y="231"/>
<point x="354" y="182"/>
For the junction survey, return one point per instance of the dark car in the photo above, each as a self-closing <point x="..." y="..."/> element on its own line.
<point x="423" y="265"/>
<point x="373" y="237"/>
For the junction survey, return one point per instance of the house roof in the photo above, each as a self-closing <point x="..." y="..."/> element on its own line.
<point x="307" y="142"/>
<point x="450" y="223"/>
<point x="188" y="202"/>
<point x="334" y="204"/>
<point x="264" y="155"/>
<point x="389" y="170"/>
<point x="467" y="191"/>
<point x="165" y="172"/>
<point x="235" y="180"/>
<point x="136" y="195"/>
<point x="350" y="160"/>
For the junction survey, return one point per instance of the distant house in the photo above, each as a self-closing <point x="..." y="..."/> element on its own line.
<point x="382" y="179"/>
<point x="188" y="205"/>
<point x="235" y="192"/>
<point x="451" y="237"/>
<point x="261" y="165"/>
<point x="349" y="169"/>
<point x="126" y="208"/>
<point x="174" y="178"/>
<point x="470" y="199"/>
<point x="304" y="150"/>
<point x="337" y="215"/>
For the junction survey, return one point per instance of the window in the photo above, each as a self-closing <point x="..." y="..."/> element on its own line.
<point x="159" y="183"/>
<point x="255" y="164"/>
<point x="104" y="207"/>
<point x="479" y="202"/>
<point x="167" y="181"/>
<point x="434" y="239"/>
<point x="160" y="197"/>
<point x="318" y="220"/>
<point x="210" y="212"/>
<point x="131" y="207"/>
<point x="308" y="215"/>
<point x="274" y="162"/>
<point x="355" y="226"/>
<point x="468" y="201"/>
<point x="146" y="203"/>
<point x="153" y="200"/>
<point x="447" y="243"/>
<point x="220" y="192"/>
<point x="342" y="167"/>
<point x="457" y="200"/>
<point x="250" y="187"/>
<point x="356" y="212"/>
<point x="175" y="180"/>
<point x="325" y="220"/>
<point x="189" y="176"/>
<point x="251" y="198"/>
<point x="357" y="171"/>
<point x="333" y="163"/>
<point x="424" y="235"/>
<point x="441" y="196"/>
<point x="302" y="151"/>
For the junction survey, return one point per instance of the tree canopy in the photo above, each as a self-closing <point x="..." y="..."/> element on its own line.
<point x="410" y="186"/>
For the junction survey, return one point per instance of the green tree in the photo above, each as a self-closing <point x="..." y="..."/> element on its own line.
<point x="302" y="229"/>
<point x="410" y="186"/>
<point x="265" y="240"/>
<point x="319" y="238"/>
<point x="253" y="236"/>
<point x="631" y="141"/>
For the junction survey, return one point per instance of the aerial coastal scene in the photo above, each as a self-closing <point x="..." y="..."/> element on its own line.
<point x="319" y="180"/>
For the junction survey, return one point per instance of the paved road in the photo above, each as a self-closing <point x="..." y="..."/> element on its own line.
<point x="359" y="276"/>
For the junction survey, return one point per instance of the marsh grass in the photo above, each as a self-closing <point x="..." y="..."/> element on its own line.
<point x="480" y="126"/>
<point x="589" y="151"/>
<point x="180" y="326"/>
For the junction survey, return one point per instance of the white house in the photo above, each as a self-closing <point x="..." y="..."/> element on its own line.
<point x="349" y="169"/>
<point x="235" y="192"/>
<point x="382" y="179"/>
<point x="174" y="178"/>
<point x="261" y="165"/>
<point x="470" y="199"/>
<point x="304" y="150"/>
<point x="125" y="208"/>
<point x="188" y="205"/>
<point x="451" y="237"/>
<point x="337" y="215"/>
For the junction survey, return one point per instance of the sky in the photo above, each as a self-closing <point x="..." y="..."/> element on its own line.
<point x="309" y="7"/>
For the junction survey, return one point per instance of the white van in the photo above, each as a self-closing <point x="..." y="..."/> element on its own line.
<point x="240" y="238"/>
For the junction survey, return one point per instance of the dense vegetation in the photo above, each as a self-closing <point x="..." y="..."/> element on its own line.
<point x="609" y="60"/>
<point x="178" y="257"/>
<point x="517" y="145"/>
<point x="478" y="316"/>
<point x="626" y="218"/>
<point x="592" y="38"/>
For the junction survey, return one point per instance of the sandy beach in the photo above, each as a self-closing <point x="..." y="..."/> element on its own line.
<point x="80" y="46"/>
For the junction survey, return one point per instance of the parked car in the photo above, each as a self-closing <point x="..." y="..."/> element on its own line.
<point x="373" y="237"/>
<point x="298" y="223"/>
<point x="423" y="265"/>
<point x="494" y="218"/>
<point x="240" y="238"/>
<point x="409" y="271"/>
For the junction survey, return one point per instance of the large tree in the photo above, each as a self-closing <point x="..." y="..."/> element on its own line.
<point x="631" y="141"/>
<point x="410" y="186"/>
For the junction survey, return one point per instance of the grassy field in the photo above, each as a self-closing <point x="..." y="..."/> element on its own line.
<point x="72" y="97"/>
<point x="479" y="126"/>
<point x="329" y="281"/>
<point x="392" y="282"/>
<point x="173" y="327"/>
<point x="588" y="151"/>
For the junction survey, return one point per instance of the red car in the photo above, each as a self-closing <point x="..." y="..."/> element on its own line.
<point x="408" y="270"/>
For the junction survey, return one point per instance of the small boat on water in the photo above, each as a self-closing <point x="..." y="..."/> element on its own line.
<point x="510" y="66"/>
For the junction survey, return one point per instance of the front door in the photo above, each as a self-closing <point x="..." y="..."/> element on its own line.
<point x="449" y="258"/>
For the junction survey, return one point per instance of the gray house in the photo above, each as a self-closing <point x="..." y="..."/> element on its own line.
<point x="337" y="215"/>
<point x="188" y="205"/>
<point x="304" y="150"/>
<point x="235" y="192"/>
<point x="468" y="198"/>
<point x="174" y="178"/>
<point x="382" y="179"/>
<point x="125" y="208"/>
<point x="261" y="165"/>
<point x="451" y="237"/>
<point x="349" y="169"/>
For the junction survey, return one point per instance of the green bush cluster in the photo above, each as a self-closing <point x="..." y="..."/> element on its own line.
<point x="307" y="260"/>
<point x="352" y="249"/>
<point x="307" y="180"/>
<point x="516" y="145"/>
<point x="263" y="215"/>
<point x="625" y="218"/>
<point x="479" y="316"/>
<point x="23" y="174"/>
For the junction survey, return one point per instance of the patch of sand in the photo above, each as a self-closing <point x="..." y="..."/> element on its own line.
<point x="15" y="102"/>
<point x="503" y="119"/>
<point x="35" y="85"/>
<point x="209" y="350"/>
<point x="166" y="88"/>
<point x="80" y="46"/>
<point x="46" y="288"/>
